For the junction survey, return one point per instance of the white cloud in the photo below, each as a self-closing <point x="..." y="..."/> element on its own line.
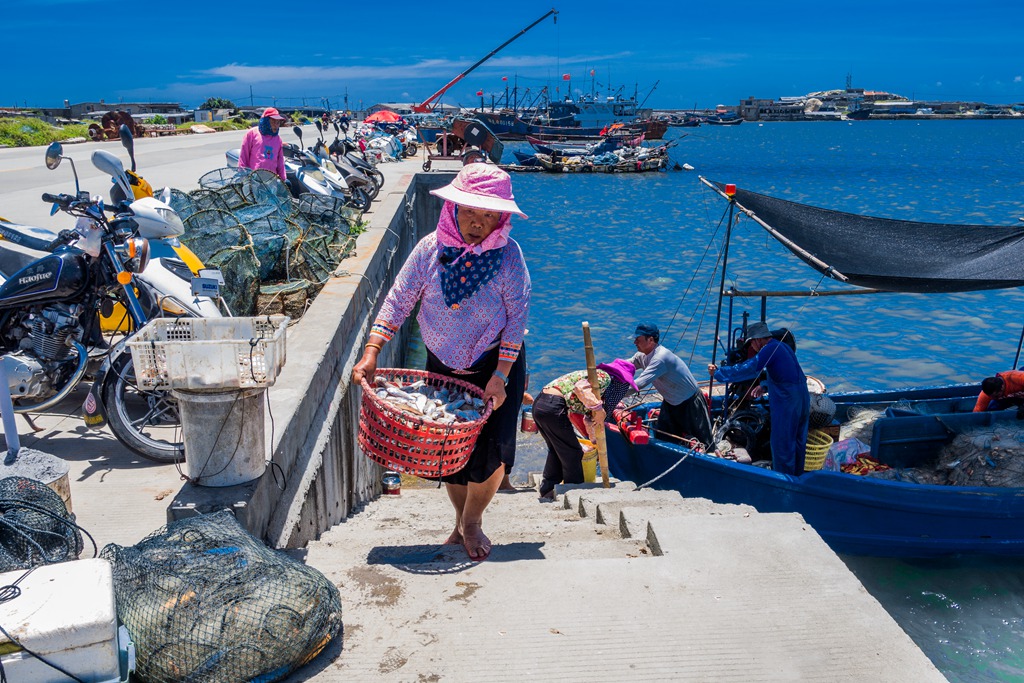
<point x="428" y="68"/>
<point x="1016" y="79"/>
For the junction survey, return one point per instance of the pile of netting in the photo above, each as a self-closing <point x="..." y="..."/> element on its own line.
<point x="274" y="251"/>
<point x="986" y="456"/>
<point x="205" y="601"/>
<point x="860" y="423"/>
<point x="35" y="526"/>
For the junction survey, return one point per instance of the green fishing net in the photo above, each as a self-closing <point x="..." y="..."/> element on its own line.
<point x="248" y="225"/>
<point x="205" y="601"/>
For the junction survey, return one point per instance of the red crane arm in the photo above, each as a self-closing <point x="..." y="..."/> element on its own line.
<point x="428" y="104"/>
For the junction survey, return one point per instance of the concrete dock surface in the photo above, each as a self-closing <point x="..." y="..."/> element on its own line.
<point x="705" y="592"/>
<point x="603" y="585"/>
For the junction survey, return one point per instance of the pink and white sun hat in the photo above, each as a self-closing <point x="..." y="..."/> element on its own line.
<point x="481" y="186"/>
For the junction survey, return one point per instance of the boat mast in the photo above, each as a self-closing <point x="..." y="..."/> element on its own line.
<point x="730" y="193"/>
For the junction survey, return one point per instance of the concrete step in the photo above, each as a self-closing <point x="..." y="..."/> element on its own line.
<point x="410" y="529"/>
<point x="734" y="597"/>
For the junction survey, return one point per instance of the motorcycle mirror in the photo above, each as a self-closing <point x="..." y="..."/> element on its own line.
<point x="112" y="166"/>
<point x="337" y="128"/>
<point x="128" y="141"/>
<point x="53" y="155"/>
<point x="298" y="131"/>
<point x="319" y="126"/>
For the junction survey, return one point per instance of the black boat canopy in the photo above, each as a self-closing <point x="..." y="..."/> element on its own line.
<point x="892" y="255"/>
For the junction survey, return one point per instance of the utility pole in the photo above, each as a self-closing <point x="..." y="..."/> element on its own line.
<point x="252" y="103"/>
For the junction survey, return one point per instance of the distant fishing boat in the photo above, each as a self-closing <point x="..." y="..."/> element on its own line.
<point x="719" y="121"/>
<point x="605" y="163"/>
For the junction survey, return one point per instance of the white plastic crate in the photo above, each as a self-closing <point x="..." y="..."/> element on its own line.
<point x="209" y="353"/>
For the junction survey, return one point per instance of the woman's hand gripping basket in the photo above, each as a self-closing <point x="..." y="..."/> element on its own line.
<point x="398" y="435"/>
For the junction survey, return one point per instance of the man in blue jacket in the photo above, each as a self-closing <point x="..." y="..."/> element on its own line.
<point x="788" y="401"/>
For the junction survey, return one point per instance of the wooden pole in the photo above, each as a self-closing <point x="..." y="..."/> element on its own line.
<point x="602" y="449"/>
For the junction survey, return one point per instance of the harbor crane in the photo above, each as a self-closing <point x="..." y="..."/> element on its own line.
<point x="428" y="104"/>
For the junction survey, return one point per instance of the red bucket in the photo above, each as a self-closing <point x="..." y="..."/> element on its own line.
<point x="412" y="443"/>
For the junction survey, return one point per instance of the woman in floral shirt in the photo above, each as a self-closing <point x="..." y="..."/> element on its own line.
<point x="473" y="288"/>
<point x="571" y="400"/>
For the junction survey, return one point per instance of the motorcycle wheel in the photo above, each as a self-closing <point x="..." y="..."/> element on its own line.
<point x="411" y="149"/>
<point x="377" y="177"/>
<point x="359" y="200"/>
<point x="372" y="190"/>
<point x="145" y="421"/>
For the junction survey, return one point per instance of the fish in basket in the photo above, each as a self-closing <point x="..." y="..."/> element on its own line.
<point x="420" y="422"/>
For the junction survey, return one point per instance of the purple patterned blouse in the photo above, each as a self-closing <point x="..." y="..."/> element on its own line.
<point x="460" y="334"/>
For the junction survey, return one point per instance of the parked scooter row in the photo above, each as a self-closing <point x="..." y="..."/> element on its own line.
<point x="315" y="170"/>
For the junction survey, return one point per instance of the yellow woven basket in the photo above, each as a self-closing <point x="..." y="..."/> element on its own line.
<point x="818" y="443"/>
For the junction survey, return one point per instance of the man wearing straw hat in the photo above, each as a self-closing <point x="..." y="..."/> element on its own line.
<point x="789" y="403"/>
<point x="473" y="289"/>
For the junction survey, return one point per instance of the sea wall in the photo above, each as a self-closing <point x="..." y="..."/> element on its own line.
<point x="317" y="475"/>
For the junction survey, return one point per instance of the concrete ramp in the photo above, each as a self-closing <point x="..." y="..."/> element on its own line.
<point x="720" y="597"/>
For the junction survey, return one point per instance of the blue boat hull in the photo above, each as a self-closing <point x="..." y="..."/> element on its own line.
<point x="853" y="514"/>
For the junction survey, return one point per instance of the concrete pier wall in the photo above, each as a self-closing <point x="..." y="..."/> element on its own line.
<point x="318" y="476"/>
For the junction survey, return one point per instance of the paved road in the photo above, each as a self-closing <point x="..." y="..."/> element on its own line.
<point x="178" y="161"/>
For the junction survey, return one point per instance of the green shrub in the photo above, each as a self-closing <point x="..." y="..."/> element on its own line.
<point x="30" y="132"/>
<point x="158" y="119"/>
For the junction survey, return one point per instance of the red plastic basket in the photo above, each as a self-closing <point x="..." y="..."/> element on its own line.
<point x="411" y="443"/>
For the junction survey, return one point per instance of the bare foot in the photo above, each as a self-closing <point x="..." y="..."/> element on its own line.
<point x="477" y="545"/>
<point x="455" y="538"/>
<point x="506" y="485"/>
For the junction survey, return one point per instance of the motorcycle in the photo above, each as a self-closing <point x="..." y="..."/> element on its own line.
<point x="406" y="135"/>
<point x="354" y="174"/>
<point x="49" y="324"/>
<point x="173" y="265"/>
<point x="347" y="150"/>
<point x="358" y="186"/>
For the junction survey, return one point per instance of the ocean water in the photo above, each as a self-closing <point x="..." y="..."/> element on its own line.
<point x="615" y="249"/>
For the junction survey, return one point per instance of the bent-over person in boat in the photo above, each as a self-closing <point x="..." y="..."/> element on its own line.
<point x="1002" y="391"/>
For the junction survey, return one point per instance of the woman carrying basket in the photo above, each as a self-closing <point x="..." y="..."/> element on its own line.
<point x="473" y="288"/>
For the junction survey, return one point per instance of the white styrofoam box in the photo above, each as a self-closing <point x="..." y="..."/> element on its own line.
<point x="66" y="614"/>
<point x="209" y="353"/>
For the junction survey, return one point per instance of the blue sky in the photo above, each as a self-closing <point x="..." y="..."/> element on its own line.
<point x="698" y="52"/>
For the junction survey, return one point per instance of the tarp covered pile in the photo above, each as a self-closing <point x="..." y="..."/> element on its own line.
<point x="269" y="246"/>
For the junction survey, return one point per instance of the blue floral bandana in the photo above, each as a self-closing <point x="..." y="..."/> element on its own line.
<point x="463" y="272"/>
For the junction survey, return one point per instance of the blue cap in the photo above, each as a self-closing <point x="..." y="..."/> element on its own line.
<point x="647" y="330"/>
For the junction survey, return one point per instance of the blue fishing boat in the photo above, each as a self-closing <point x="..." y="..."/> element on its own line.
<point x="923" y="504"/>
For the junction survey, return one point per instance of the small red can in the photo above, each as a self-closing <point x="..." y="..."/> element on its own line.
<point x="526" y="423"/>
<point x="391" y="483"/>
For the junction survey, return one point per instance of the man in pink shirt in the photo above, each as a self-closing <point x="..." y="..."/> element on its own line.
<point x="261" y="146"/>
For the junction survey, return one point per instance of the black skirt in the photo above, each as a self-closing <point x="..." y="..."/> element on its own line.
<point x="496" y="445"/>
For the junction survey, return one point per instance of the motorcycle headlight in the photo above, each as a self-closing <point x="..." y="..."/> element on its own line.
<point x="137" y="252"/>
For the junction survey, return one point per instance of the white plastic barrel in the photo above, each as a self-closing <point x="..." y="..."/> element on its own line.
<point x="223" y="435"/>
